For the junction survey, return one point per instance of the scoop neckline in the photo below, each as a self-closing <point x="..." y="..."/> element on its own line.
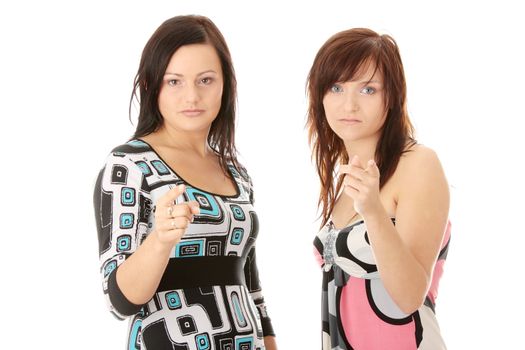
<point x="237" y="189"/>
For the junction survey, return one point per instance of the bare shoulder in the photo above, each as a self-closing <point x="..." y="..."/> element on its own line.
<point x="420" y="163"/>
<point x="419" y="156"/>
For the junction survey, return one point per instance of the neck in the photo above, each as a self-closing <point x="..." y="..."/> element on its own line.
<point x="364" y="148"/>
<point x="189" y="142"/>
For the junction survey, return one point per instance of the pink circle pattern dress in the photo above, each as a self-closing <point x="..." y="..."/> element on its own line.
<point x="357" y="311"/>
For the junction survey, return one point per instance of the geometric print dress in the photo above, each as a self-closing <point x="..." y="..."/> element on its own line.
<point x="209" y="296"/>
<point x="357" y="311"/>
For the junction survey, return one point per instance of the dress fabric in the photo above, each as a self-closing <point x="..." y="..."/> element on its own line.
<point x="357" y="311"/>
<point x="210" y="295"/>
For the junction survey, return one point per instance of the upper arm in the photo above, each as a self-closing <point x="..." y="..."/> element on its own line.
<point x="246" y="181"/>
<point x="423" y="204"/>
<point x="122" y="208"/>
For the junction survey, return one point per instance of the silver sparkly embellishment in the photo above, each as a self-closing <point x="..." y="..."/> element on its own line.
<point x="329" y="246"/>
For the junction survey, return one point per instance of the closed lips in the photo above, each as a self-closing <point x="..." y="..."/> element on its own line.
<point x="191" y="112"/>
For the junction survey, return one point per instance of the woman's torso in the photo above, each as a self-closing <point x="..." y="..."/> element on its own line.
<point x="202" y="301"/>
<point x="358" y="312"/>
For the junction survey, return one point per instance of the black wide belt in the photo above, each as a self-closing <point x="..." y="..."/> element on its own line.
<point x="193" y="272"/>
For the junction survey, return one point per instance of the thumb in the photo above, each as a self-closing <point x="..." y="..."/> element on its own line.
<point x="372" y="168"/>
<point x="172" y="195"/>
<point x="356" y="162"/>
<point x="194" y="207"/>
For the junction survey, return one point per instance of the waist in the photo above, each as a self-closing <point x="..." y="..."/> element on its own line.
<point x="193" y="272"/>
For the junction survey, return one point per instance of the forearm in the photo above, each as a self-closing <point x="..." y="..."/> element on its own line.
<point x="269" y="342"/>
<point x="139" y="276"/>
<point x="401" y="273"/>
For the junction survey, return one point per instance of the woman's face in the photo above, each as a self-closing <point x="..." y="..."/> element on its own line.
<point x="191" y="89"/>
<point x="355" y="109"/>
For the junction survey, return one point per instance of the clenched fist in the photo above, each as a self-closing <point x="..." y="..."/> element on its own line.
<point x="172" y="220"/>
<point x="361" y="184"/>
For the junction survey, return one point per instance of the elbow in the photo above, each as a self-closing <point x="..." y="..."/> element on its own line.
<point x="412" y="299"/>
<point x="120" y="305"/>
<point x="411" y="305"/>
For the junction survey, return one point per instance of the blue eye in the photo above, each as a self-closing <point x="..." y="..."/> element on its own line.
<point x="368" y="90"/>
<point x="336" y="88"/>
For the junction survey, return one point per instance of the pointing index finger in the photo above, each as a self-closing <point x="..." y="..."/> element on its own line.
<point x="169" y="197"/>
<point x="372" y="168"/>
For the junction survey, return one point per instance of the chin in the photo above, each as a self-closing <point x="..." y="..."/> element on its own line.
<point x="194" y="124"/>
<point x="348" y="136"/>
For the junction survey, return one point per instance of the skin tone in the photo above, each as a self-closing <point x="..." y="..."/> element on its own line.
<point x="416" y="195"/>
<point x="189" y="101"/>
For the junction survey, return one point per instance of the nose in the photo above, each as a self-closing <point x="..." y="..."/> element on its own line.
<point x="191" y="93"/>
<point x="350" y="103"/>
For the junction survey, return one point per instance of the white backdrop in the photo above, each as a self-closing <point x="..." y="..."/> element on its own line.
<point x="66" y="74"/>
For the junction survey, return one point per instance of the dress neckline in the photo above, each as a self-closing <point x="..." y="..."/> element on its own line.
<point x="353" y="223"/>
<point x="357" y="222"/>
<point x="233" y="177"/>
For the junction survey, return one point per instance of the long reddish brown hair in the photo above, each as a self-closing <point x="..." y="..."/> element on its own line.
<point x="339" y="60"/>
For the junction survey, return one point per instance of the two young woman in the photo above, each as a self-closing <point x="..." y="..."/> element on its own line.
<point x="175" y="215"/>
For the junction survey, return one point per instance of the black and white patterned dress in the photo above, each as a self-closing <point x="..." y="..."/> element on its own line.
<point x="209" y="296"/>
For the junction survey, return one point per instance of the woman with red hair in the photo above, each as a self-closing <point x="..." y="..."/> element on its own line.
<point x="384" y="200"/>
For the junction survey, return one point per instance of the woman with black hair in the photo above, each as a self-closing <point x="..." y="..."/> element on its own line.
<point x="174" y="208"/>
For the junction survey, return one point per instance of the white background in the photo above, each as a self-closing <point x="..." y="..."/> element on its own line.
<point x="66" y="75"/>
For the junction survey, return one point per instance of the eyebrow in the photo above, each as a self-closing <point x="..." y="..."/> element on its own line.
<point x="201" y="73"/>
<point x="367" y="81"/>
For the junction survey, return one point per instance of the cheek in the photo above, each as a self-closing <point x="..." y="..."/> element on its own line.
<point x="219" y="94"/>
<point x="381" y="113"/>
<point x="374" y="110"/>
<point x="169" y="98"/>
<point x="330" y="111"/>
<point x="215" y="96"/>
<point x="329" y="106"/>
<point x="163" y="101"/>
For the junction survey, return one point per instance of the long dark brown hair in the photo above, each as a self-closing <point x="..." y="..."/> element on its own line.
<point x="338" y="60"/>
<point x="168" y="38"/>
